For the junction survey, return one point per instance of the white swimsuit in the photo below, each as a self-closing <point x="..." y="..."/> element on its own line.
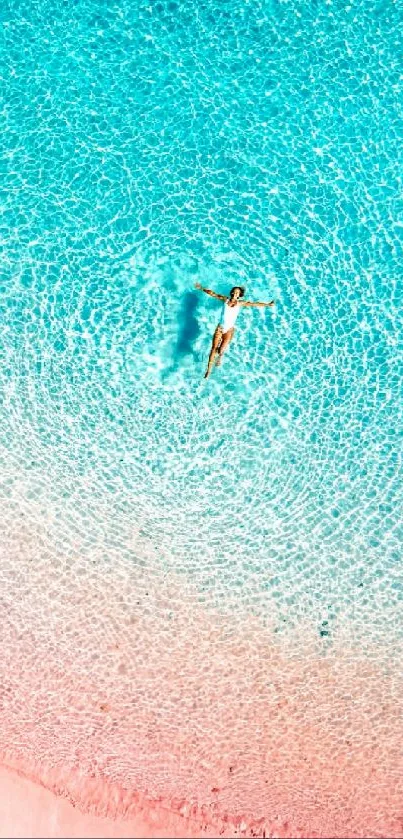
<point x="229" y="316"/>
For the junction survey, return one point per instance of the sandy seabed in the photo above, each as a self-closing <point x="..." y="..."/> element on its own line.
<point x="130" y="707"/>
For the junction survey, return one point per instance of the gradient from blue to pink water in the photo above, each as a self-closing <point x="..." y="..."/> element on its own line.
<point x="149" y="146"/>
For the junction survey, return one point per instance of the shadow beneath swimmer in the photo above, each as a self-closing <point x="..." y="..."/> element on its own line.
<point x="189" y="330"/>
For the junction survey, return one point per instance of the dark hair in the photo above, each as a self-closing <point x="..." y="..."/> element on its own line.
<point x="241" y="290"/>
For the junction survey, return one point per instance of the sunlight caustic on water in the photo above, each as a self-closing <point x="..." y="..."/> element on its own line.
<point x="200" y="581"/>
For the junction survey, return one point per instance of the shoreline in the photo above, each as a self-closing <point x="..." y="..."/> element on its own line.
<point x="33" y="810"/>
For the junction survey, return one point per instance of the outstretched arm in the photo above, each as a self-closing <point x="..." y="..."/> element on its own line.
<point x="250" y="303"/>
<point x="209" y="292"/>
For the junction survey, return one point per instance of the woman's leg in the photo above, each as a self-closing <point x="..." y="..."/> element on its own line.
<point x="217" y="338"/>
<point x="226" y="340"/>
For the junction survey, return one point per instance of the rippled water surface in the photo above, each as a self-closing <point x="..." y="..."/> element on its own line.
<point x="150" y="146"/>
<point x="147" y="147"/>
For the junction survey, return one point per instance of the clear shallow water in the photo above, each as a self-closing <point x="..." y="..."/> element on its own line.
<point x="147" y="147"/>
<point x="146" y="514"/>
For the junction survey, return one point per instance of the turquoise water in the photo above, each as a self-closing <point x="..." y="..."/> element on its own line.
<point x="149" y="146"/>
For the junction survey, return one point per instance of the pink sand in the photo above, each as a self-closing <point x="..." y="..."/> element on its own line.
<point x="30" y="810"/>
<point x="124" y="695"/>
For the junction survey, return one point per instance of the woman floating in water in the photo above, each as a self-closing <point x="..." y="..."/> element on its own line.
<point x="225" y="330"/>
